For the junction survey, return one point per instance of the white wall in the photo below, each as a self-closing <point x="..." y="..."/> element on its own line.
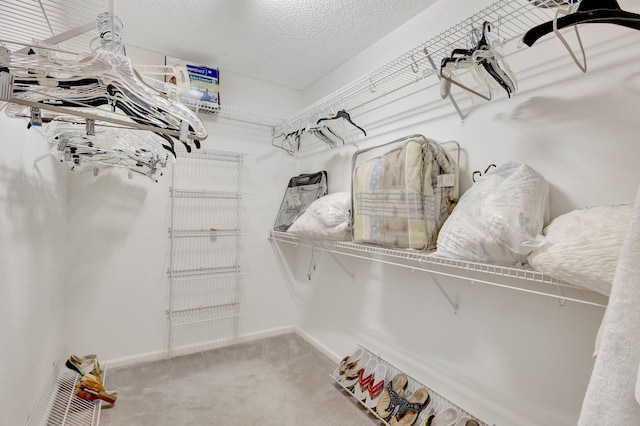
<point x="508" y="357"/>
<point x="84" y="258"/>
<point x="120" y="242"/>
<point x="33" y="292"/>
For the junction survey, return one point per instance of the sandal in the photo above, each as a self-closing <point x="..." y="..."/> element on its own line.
<point x="351" y="375"/>
<point x="84" y="365"/>
<point x="391" y="398"/>
<point x="376" y="387"/>
<point x="345" y="364"/>
<point x="365" y="378"/>
<point x="466" y="421"/>
<point x="90" y="388"/>
<point x="410" y="409"/>
<point x="448" y="417"/>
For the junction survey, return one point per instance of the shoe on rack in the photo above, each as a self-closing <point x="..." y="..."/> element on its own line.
<point x="351" y="375"/>
<point x="392" y="396"/>
<point x="365" y="376"/>
<point x="448" y="417"/>
<point x="84" y="365"/>
<point x="410" y="409"/>
<point x="90" y="388"/>
<point x="376" y="386"/>
<point x="346" y="363"/>
<point x="466" y="421"/>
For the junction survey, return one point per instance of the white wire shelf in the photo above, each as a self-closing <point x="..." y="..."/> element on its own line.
<point x="521" y="279"/>
<point x="212" y="232"/>
<point x="195" y="193"/>
<point x="204" y="314"/>
<point x="201" y="272"/>
<point x="58" y="406"/>
<point x="212" y="155"/>
<point x="436" y="402"/>
<point x="230" y="113"/>
<point x="510" y="20"/>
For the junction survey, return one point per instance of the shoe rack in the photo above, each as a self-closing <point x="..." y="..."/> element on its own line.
<point x="437" y="403"/>
<point x="205" y="251"/>
<point x="56" y="404"/>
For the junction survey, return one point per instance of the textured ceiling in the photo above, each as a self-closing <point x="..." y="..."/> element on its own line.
<point x="289" y="42"/>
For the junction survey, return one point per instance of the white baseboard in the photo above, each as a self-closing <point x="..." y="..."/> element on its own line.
<point x="164" y="354"/>
<point x="266" y="333"/>
<point x="318" y="345"/>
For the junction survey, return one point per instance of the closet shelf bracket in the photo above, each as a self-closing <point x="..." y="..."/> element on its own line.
<point x="342" y="265"/>
<point x="39" y="159"/>
<point x="453" y="304"/>
<point x="450" y="95"/>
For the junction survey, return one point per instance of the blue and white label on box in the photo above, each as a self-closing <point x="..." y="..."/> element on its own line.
<point x="202" y="84"/>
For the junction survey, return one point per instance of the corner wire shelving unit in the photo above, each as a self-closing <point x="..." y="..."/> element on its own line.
<point x="231" y="113"/>
<point x="510" y="20"/>
<point x="56" y="404"/>
<point x="435" y="405"/>
<point x="520" y="279"/>
<point x="206" y="262"/>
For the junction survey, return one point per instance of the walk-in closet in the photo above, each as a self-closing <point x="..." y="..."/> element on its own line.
<point x="279" y="212"/>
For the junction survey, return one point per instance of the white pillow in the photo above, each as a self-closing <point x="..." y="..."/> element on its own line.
<point x="582" y="247"/>
<point x="327" y="218"/>
<point x="498" y="220"/>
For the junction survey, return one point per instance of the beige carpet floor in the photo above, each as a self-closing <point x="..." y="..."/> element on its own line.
<point x="279" y="381"/>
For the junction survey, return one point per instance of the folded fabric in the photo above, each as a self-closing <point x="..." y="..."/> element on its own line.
<point x="582" y="247"/>
<point x="327" y="218"/>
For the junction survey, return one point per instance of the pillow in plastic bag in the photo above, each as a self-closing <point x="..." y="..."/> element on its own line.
<point x="499" y="220"/>
<point x="327" y="218"/>
<point x="582" y="247"/>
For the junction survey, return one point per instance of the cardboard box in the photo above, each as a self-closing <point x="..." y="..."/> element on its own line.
<point x="198" y="83"/>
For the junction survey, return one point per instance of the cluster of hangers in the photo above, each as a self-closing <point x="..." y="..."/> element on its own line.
<point x="100" y="98"/>
<point x="331" y="130"/>
<point x="139" y="153"/>
<point x="586" y="12"/>
<point x="488" y="66"/>
<point x="485" y="63"/>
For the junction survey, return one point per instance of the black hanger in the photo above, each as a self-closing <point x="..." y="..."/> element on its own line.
<point x="479" y="173"/>
<point x="491" y="67"/>
<point x="130" y="109"/>
<point x="589" y="12"/>
<point x="343" y="114"/>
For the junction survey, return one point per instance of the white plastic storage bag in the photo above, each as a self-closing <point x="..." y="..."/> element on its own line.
<point x="327" y="218"/>
<point x="499" y="220"/>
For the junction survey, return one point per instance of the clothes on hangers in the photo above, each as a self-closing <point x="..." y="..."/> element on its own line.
<point x="588" y="12"/>
<point x="484" y="61"/>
